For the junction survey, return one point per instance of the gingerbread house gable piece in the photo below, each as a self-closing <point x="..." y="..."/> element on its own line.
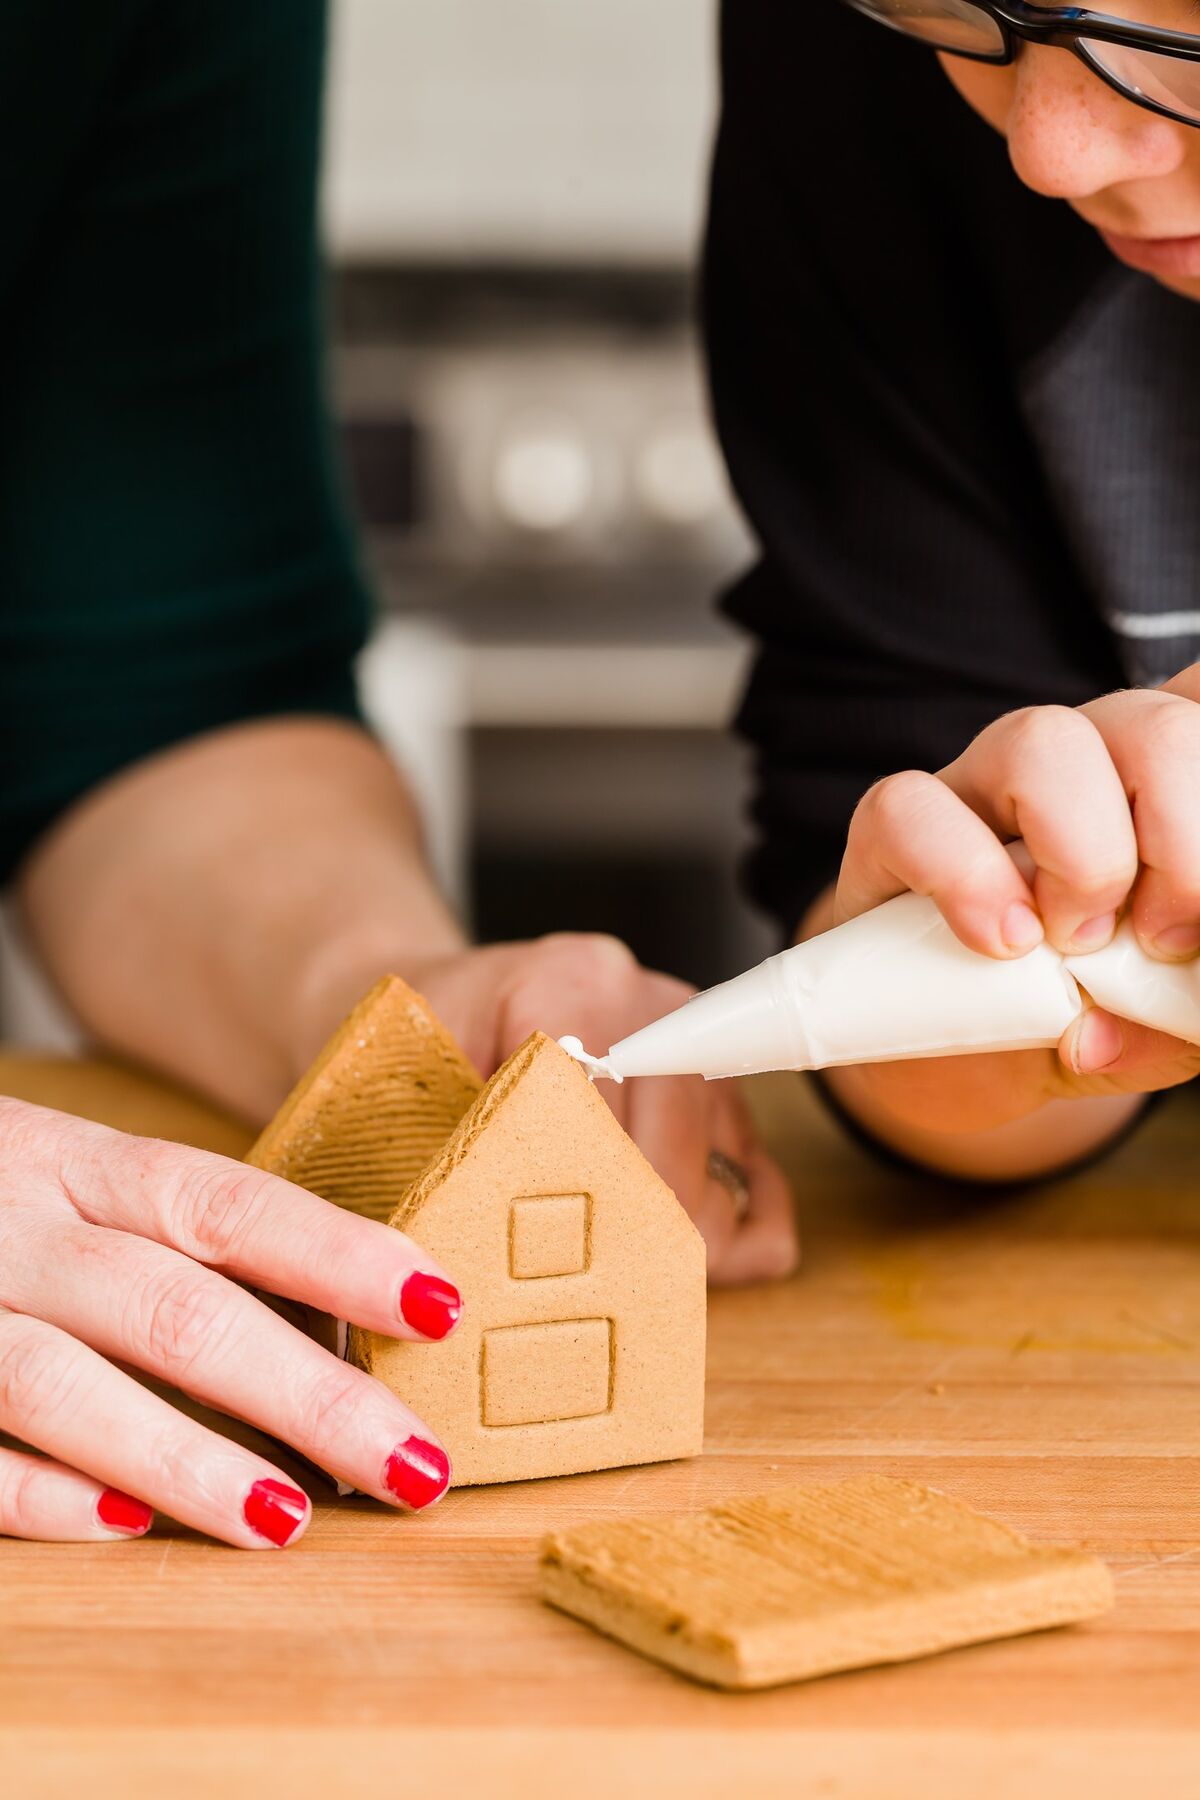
<point x="581" y="1344"/>
<point x="375" y="1107"/>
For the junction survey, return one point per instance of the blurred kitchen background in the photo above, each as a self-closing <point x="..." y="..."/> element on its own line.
<point x="513" y="199"/>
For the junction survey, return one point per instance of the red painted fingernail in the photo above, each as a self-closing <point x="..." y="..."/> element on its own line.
<point x="430" y="1305"/>
<point x="121" y="1512"/>
<point x="275" y="1510"/>
<point x="417" y="1473"/>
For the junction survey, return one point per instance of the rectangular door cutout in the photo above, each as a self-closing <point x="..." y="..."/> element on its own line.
<point x="537" y="1374"/>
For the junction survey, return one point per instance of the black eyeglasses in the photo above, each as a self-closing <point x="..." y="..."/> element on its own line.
<point x="1149" y="65"/>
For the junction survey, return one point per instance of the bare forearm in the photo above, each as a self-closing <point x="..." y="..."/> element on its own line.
<point x="981" y="1118"/>
<point x="215" y="910"/>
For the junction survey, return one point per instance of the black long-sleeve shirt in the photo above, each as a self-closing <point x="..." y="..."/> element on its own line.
<point x="967" y="439"/>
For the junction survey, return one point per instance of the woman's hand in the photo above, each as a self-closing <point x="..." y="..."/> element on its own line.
<point x="258" y="880"/>
<point x="592" y="986"/>
<point x="121" y="1250"/>
<point x="1105" y="798"/>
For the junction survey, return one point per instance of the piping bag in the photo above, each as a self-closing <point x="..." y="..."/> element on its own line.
<point x="896" y="983"/>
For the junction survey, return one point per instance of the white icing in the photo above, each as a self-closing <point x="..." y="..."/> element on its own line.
<point x="595" y="1065"/>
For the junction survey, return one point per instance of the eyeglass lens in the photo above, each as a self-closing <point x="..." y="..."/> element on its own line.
<point x="956" y="25"/>
<point x="946" y="24"/>
<point x="1164" y="80"/>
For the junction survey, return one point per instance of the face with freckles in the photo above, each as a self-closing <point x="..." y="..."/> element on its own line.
<point x="1132" y="174"/>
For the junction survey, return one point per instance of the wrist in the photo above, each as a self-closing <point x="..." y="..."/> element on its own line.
<point x="340" y="969"/>
<point x="953" y="1096"/>
<point x="1011" y="1129"/>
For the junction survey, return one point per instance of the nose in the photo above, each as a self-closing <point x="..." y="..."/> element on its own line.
<point x="1071" y="135"/>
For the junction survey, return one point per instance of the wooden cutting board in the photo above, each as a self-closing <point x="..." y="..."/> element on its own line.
<point x="1036" y="1355"/>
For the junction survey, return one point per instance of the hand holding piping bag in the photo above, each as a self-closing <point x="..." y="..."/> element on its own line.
<point x="953" y="936"/>
<point x="1104" y="797"/>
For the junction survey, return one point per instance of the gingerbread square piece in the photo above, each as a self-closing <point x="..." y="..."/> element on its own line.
<point x="799" y="1582"/>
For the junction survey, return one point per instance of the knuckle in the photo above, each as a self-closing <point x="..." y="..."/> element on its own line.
<point x="217" y="1206"/>
<point x="1170" y="733"/>
<point x="183" y="1317"/>
<point x="34" y="1139"/>
<point x="18" y="1124"/>
<point x="19" y="1483"/>
<point x="30" y="1246"/>
<point x="1038" y="734"/>
<point x="39" y="1381"/>
<point x="138" y="1184"/>
<point x="895" y="802"/>
<point x="1089" y="873"/>
<point x="331" y="1401"/>
<point x="591" y="951"/>
<point x="181" y="1469"/>
<point x="971" y="879"/>
<point x="781" y="1254"/>
<point x="1108" y="887"/>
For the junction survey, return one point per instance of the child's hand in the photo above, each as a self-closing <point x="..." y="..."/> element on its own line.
<point x="1105" y="797"/>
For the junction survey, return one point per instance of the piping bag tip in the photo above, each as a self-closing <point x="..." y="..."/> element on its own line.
<point x="596" y="1066"/>
<point x="736" y="1028"/>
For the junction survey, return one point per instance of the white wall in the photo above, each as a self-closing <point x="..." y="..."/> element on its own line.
<point x="533" y="130"/>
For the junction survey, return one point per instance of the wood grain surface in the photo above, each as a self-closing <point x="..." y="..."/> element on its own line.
<point x="1036" y="1354"/>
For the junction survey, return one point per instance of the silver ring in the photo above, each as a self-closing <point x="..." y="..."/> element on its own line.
<point x="733" y="1178"/>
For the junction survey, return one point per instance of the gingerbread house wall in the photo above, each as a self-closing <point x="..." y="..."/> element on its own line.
<point x="581" y="1344"/>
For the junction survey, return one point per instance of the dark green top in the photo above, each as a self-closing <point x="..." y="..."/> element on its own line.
<point x="174" y="553"/>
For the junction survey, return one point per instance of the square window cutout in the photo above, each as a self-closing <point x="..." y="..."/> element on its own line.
<point x="548" y="1235"/>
